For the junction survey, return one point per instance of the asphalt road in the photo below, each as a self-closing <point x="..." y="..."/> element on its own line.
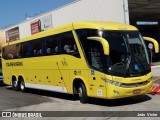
<point x="37" y="100"/>
<point x="14" y="99"/>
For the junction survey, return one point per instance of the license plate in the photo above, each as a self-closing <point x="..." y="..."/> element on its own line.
<point x="136" y="91"/>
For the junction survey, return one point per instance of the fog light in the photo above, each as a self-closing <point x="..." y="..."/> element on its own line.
<point x="116" y="92"/>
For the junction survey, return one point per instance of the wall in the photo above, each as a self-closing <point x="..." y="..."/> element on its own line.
<point x="82" y="10"/>
<point x="2" y="38"/>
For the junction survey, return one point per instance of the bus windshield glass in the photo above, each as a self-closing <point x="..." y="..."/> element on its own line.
<point x="128" y="55"/>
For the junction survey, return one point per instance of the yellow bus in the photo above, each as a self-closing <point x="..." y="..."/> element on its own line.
<point x="1" y="77"/>
<point x="92" y="59"/>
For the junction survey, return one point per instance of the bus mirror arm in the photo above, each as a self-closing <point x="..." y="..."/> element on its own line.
<point x="155" y="43"/>
<point x="104" y="43"/>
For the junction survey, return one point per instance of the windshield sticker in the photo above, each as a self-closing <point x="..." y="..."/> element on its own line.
<point x="99" y="92"/>
<point x="136" y="67"/>
<point x="92" y="72"/>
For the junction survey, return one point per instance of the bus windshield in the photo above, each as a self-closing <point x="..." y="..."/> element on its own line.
<point x="128" y="55"/>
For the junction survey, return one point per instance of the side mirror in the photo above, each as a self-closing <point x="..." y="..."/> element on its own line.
<point x="104" y="43"/>
<point x="155" y="43"/>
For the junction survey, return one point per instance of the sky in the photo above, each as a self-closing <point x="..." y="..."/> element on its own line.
<point x="15" y="11"/>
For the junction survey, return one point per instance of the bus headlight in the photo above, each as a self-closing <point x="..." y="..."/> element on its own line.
<point x="113" y="82"/>
<point x="127" y="85"/>
<point x="150" y="79"/>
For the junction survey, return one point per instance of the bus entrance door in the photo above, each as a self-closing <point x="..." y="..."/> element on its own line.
<point x="95" y="58"/>
<point x="97" y="84"/>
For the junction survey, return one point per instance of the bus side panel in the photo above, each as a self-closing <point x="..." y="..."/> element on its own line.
<point x="8" y="72"/>
<point x="77" y="70"/>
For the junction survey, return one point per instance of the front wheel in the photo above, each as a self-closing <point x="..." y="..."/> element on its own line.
<point x="82" y="92"/>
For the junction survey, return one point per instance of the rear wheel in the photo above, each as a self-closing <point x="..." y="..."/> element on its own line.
<point x="22" y="86"/>
<point x="15" y="85"/>
<point x="82" y="92"/>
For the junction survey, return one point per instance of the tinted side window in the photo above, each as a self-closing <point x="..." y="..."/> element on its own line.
<point x="95" y="55"/>
<point x="24" y="52"/>
<point x="0" y="64"/>
<point x="12" y="51"/>
<point x="93" y="49"/>
<point x="37" y="48"/>
<point x="82" y="36"/>
<point x="68" y="44"/>
<point x="52" y="45"/>
<point x="30" y="49"/>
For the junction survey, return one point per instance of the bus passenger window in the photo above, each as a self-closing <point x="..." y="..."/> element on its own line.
<point x="24" y="50"/>
<point x="56" y="49"/>
<point x="66" y="48"/>
<point x="51" y="45"/>
<point x="10" y="56"/>
<point x="48" y="51"/>
<point x="18" y="55"/>
<point x="17" y="49"/>
<point x="37" y="44"/>
<point x="75" y="47"/>
<point x="30" y="51"/>
<point x="34" y="52"/>
<point x="68" y="44"/>
<point x="70" y="49"/>
<point x="38" y="53"/>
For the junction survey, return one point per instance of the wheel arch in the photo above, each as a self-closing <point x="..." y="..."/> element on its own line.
<point x="22" y="83"/>
<point x="20" y="77"/>
<point x="76" y="83"/>
<point x="14" y="78"/>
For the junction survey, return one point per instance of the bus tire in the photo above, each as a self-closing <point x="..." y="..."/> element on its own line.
<point x="15" y="85"/>
<point x="22" y="86"/>
<point x="82" y="92"/>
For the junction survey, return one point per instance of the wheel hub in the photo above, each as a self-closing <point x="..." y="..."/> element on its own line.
<point x="80" y="92"/>
<point x="22" y="86"/>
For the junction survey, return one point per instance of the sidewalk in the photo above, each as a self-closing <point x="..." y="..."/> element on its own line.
<point x="156" y="63"/>
<point x="156" y="73"/>
<point x="156" y="69"/>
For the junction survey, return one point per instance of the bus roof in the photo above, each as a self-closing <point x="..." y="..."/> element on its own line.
<point x="78" y="25"/>
<point x="103" y="25"/>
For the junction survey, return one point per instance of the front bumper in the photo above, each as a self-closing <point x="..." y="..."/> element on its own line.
<point x="114" y="92"/>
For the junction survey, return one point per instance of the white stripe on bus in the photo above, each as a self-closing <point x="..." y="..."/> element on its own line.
<point x="47" y="87"/>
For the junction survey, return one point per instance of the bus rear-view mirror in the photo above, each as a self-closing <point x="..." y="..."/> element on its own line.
<point x="104" y="43"/>
<point x="154" y="42"/>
